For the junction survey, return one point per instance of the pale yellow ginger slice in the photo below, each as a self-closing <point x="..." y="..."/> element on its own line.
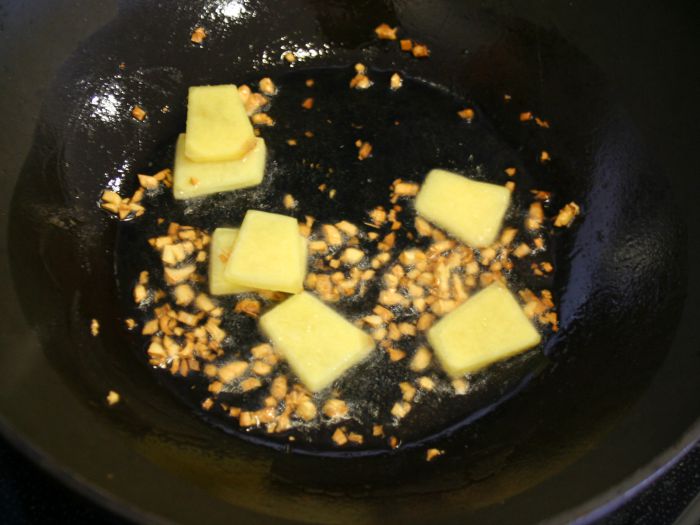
<point x="470" y="210"/>
<point x="488" y="327"/>
<point x="319" y="344"/>
<point x="222" y="241"/>
<point x="218" y="127"/>
<point x="269" y="253"/>
<point x="194" y="179"/>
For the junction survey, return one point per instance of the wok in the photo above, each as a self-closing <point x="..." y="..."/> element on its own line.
<point x="615" y="400"/>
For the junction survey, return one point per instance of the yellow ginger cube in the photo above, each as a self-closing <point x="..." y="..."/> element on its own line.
<point x="222" y="241"/>
<point x="470" y="210"/>
<point x="488" y="327"/>
<point x="193" y="179"/>
<point x="319" y="344"/>
<point x="218" y="127"/>
<point x="269" y="253"/>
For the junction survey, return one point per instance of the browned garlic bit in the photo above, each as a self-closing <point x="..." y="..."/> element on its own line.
<point x="408" y="391"/>
<point x="278" y="388"/>
<point x="466" y="114"/>
<point x="261" y="368"/>
<point x="267" y="86"/>
<point x="400" y="409"/>
<point x="130" y="207"/>
<point x="526" y="116"/>
<point x="432" y="453"/>
<point x="332" y="235"/>
<point x="252" y="383"/>
<point x="347" y="228"/>
<point x="244" y="92"/>
<point x="112" y="398"/>
<point x="540" y="308"/>
<point x="290" y="57"/>
<point x="420" y="51"/>
<point x="253" y="102"/>
<point x="352" y="256"/>
<point x="198" y="35"/>
<point x="460" y="386"/>
<point x="356" y="438"/>
<point x="306" y="410"/>
<point x="177" y="275"/>
<point x="148" y="182"/>
<point x="335" y="409"/>
<point x="541" y="195"/>
<point x="165" y="177"/>
<point x="138" y="113"/>
<point x="385" y="32"/>
<point x="522" y="250"/>
<point x="399" y="189"/>
<point x="230" y="371"/>
<point x="94" y="328"/>
<point x="289" y="202"/>
<point x="378" y="217"/>
<point x="360" y="80"/>
<point x="395" y="82"/>
<point x="406" y="44"/>
<point x="535" y="216"/>
<point x="426" y="383"/>
<point x="249" y="307"/>
<point x="183" y="293"/>
<point x="339" y="437"/>
<point x="567" y="215"/>
<point x="541" y="123"/>
<point x="110" y="201"/>
<point x="124" y="208"/>
<point x="262" y="119"/>
<point x="140" y="292"/>
<point x="421" y="359"/>
<point x="364" y="149"/>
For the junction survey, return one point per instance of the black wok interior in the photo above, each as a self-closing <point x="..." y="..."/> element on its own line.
<point x="616" y="389"/>
<point x="418" y="114"/>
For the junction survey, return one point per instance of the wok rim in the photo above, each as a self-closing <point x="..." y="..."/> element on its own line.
<point x="584" y="514"/>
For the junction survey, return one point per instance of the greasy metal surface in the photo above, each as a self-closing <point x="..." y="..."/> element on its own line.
<point x="620" y="287"/>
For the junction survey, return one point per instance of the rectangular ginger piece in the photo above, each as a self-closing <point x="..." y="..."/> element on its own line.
<point x="318" y="343"/>
<point x="218" y="127"/>
<point x="194" y="179"/>
<point x="470" y="210"/>
<point x="269" y="253"/>
<point x="222" y="242"/>
<point x="488" y="327"/>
